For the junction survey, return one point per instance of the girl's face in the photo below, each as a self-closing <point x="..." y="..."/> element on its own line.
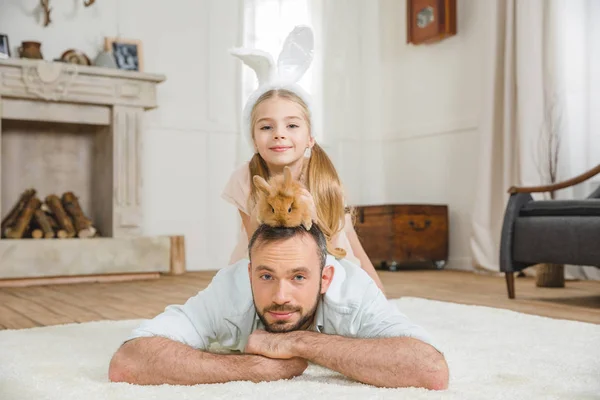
<point x="281" y="133"/>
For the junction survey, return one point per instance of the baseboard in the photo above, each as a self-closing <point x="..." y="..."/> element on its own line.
<point x="460" y="264"/>
<point x="65" y="280"/>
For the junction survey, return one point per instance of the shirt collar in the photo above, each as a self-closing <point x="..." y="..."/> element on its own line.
<point x="319" y="321"/>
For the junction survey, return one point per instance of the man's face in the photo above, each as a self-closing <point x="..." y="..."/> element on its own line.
<point x="287" y="282"/>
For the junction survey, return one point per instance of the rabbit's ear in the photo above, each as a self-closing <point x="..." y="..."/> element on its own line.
<point x="287" y="177"/>
<point x="261" y="184"/>
<point x="296" y="54"/>
<point x="260" y="61"/>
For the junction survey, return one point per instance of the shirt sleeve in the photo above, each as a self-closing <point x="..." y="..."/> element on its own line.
<point x="194" y="323"/>
<point x="380" y="318"/>
<point x="237" y="190"/>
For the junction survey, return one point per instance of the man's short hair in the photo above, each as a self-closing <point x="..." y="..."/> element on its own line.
<point x="269" y="234"/>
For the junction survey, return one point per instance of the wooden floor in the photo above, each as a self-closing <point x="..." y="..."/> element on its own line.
<point x="28" y="307"/>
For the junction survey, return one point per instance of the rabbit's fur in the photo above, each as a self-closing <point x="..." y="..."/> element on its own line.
<point x="281" y="203"/>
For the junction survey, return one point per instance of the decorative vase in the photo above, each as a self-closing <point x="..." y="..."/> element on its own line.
<point x="30" y="49"/>
<point x="105" y="59"/>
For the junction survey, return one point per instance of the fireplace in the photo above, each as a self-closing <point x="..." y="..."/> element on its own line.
<point x="49" y="161"/>
<point x="77" y="131"/>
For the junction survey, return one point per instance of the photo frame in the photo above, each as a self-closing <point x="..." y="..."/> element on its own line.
<point x="430" y="21"/>
<point x="4" y="46"/>
<point x="128" y="53"/>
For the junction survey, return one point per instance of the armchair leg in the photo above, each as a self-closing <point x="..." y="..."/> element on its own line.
<point x="510" y="284"/>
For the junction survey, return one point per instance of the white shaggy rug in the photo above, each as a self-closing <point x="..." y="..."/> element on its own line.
<point x="492" y="354"/>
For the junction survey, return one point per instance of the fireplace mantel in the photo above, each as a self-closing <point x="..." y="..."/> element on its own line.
<point x="77" y="84"/>
<point x="108" y="105"/>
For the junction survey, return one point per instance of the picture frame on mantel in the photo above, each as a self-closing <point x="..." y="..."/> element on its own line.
<point x="430" y="21"/>
<point x="128" y="53"/>
<point x="4" y="46"/>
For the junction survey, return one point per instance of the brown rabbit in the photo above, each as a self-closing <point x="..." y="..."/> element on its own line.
<point x="281" y="203"/>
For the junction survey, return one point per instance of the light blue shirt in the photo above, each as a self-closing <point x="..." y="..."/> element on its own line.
<point x="224" y="312"/>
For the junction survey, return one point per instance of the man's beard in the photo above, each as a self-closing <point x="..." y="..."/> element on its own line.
<point x="280" y="326"/>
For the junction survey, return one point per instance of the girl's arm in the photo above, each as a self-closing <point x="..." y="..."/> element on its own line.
<point x="360" y="253"/>
<point x="250" y="224"/>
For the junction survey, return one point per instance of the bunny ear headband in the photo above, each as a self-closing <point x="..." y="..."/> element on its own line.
<point x="293" y="61"/>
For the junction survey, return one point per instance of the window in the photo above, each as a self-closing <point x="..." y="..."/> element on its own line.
<point x="266" y="25"/>
<point x="578" y="56"/>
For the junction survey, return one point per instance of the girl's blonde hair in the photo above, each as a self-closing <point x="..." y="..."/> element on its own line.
<point x="319" y="174"/>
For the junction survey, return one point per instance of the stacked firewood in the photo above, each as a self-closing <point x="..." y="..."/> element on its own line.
<point x="53" y="218"/>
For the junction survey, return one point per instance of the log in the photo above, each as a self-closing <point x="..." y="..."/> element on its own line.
<point x="44" y="207"/>
<point x="32" y="228"/>
<point x="83" y="225"/>
<point x="52" y="221"/>
<point x="22" y="223"/>
<point x="44" y="223"/>
<point x="63" y="220"/>
<point x="11" y="218"/>
<point x="60" y="233"/>
<point x="37" y="234"/>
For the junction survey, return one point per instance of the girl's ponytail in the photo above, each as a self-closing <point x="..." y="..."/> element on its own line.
<point x="325" y="187"/>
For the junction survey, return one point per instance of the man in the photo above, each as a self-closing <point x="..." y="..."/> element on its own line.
<point x="279" y="310"/>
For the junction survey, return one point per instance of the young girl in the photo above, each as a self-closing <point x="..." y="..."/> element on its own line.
<point x="277" y="120"/>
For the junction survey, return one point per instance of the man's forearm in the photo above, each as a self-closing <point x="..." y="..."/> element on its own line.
<point x="387" y="362"/>
<point x="156" y="360"/>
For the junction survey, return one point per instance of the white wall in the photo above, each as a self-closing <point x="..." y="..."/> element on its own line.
<point x="190" y="140"/>
<point x="402" y="119"/>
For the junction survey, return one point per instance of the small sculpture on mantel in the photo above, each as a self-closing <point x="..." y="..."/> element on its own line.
<point x="45" y="5"/>
<point x="75" y="56"/>
<point x="31" y="49"/>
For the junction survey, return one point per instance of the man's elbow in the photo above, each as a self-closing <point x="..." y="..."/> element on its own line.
<point x="437" y="376"/>
<point x="120" y="369"/>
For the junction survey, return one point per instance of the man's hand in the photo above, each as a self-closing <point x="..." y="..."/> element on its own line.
<point x="276" y="369"/>
<point x="272" y="345"/>
<point x="278" y="361"/>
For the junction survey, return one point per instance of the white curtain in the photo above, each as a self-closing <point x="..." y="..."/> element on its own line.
<point x="511" y="117"/>
<point x="579" y="79"/>
<point x="542" y="76"/>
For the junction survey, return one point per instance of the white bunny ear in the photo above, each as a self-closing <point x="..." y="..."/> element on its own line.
<point x="260" y="61"/>
<point x="296" y="54"/>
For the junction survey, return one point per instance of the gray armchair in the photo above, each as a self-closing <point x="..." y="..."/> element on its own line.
<point x="549" y="231"/>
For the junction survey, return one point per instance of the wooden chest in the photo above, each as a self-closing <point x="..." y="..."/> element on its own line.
<point x="401" y="233"/>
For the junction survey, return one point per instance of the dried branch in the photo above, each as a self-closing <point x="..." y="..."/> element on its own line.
<point x="88" y="3"/>
<point x="46" y="7"/>
<point x="549" y="144"/>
